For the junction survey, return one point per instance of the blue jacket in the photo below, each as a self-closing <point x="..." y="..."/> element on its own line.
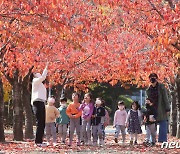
<point x="63" y="119"/>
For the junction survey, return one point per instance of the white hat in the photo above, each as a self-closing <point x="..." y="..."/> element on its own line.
<point x="51" y="100"/>
<point x="98" y="101"/>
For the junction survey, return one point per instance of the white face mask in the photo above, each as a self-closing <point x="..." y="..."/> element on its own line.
<point x="63" y="105"/>
<point x="37" y="75"/>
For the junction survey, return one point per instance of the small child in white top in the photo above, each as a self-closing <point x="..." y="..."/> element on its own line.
<point x="119" y="121"/>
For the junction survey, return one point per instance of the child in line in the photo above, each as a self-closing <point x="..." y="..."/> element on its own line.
<point x="63" y="121"/>
<point x="97" y="125"/>
<point x="74" y="114"/>
<point x="119" y="122"/>
<point x="87" y="109"/>
<point x="133" y="122"/>
<point x="150" y="123"/>
<point x="105" y="119"/>
<point x="51" y="114"/>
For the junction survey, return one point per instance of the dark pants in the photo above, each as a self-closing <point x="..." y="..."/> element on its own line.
<point x="39" y="111"/>
<point x="163" y="130"/>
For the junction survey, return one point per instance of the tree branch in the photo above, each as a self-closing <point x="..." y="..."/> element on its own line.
<point x="171" y="4"/>
<point x="176" y="46"/>
<point x="81" y="62"/>
<point x="27" y="76"/>
<point x="153" y="6"/>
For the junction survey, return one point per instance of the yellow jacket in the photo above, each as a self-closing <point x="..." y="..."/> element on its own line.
<point x="51" y="113"/>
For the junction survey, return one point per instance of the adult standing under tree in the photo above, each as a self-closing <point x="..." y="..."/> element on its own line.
<point x="38" y="99"/>
<point x="158" y="94"/>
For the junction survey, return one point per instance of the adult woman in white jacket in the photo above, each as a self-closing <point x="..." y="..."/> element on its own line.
<point x="38" y="99"/>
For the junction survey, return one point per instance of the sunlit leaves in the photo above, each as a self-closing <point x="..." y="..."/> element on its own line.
<point x="126" y="40"/>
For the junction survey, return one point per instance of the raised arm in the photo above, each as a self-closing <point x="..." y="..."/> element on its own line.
<point x="42" y="77"/>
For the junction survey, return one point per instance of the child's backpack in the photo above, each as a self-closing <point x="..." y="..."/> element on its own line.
<point x="107" y="118"/>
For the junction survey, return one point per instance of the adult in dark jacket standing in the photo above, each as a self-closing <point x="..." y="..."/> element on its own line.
<point x="158" y="94"/>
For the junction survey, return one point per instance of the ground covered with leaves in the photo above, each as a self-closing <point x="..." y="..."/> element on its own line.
<point x="28" y="146"/>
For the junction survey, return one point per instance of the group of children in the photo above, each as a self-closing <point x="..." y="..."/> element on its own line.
<point x="86" y="118"/>
<point x="89" y="118"/>
<point x="133" y="121"/>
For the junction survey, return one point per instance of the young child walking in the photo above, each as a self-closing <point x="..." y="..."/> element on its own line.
<point x="119" y="122"/>
<point x="51" y="114"/>
<point x="106" y="119"/>
<point x="97" y="125"/>
<point x="150" y="123"/>
<point x="133" y="122"/>
<point x="63" y="121"/>
<point x="74" y="114"/>
<point x="87" y="109"/>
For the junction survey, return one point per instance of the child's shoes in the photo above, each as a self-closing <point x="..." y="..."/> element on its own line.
<point x="135" y="142"/>
<point x="116" y="140"/>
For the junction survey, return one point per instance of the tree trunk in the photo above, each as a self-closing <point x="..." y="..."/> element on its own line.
<point x="57" y="94"/>
<point x="2" y="136"/>
<point x="173" y="111"/>
<point x="28" y="114"/>
<point x="178" y="107"/>
<point x="17" y="110"/>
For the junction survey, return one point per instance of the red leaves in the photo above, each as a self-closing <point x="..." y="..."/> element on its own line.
<point x="122" y="36"/>
<point x="110" y="147"/>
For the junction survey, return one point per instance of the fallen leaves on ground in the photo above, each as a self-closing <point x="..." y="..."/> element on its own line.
<point x="28" y="146"/>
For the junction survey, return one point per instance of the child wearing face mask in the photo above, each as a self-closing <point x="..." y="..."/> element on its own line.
<point x="119" y="121"/>
<point x="150" y="123"/>
<point x="63" y="121"/>
<point x="97" y="125"/>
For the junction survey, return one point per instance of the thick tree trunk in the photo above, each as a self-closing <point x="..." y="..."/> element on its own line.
<point x="2" y="136"/>
<point x="173" y="112"/>
<point x="17" y="110"/>
<point x="178" y="107"/>
<point x="28" y="114"/>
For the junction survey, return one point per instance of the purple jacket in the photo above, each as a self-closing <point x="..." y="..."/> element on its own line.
<point x="87" y="110"/>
